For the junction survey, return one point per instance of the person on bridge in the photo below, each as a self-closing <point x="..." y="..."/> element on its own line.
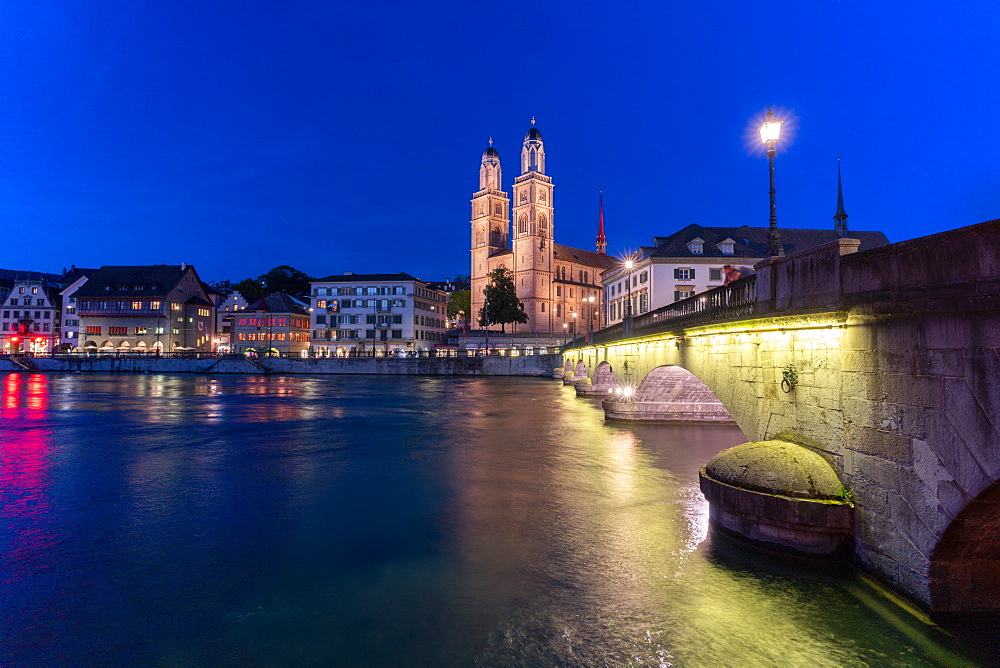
<point x="731" y="274"/>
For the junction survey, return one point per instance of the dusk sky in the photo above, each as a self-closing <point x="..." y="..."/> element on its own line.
<point x="346" y="136"/>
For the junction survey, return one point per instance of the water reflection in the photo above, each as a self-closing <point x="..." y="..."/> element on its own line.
<point x="386" y="521"/>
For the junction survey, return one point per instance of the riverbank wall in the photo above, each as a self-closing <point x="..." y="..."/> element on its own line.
<point x="521" y="365"/>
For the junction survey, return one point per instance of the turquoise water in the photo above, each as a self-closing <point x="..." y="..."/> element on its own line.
<point x="393" y="521"/>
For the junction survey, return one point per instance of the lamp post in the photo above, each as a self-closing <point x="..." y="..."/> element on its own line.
<point x="590" y="317"/>
<point x="573" y="327"/>
<point x="565" y="334"/>
<point x="769" y="131"/>
<point x="628" y="299"/>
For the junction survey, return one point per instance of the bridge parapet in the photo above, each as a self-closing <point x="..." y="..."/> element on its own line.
<point x="808" y="280"/>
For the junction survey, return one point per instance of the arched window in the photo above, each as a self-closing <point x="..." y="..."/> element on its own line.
<point x="543" y="225"/>
<point x="499" y="211"/>
<point x="496" y="237"/>
<point x="522" y="225"/>
<point x="479" y="238"/>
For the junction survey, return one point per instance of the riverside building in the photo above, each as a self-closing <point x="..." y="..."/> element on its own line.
<point x="385" y="313"/>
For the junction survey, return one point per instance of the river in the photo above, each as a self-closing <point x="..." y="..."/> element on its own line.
<point x="394" y="521"/>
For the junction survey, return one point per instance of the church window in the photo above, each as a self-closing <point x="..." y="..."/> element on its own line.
<point x="522" y="225"/>
<point x="498" y="210"/>
<point x="558" y="310"/>
<point x="558" y="291"/>
<point x="496" y="238"/>
<point x="543" y="307"/>
<point x="542" y="225"/>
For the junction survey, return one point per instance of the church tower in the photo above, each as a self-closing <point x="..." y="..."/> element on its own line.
<point x="533" y="234"/>
<point x="490" y="226"/>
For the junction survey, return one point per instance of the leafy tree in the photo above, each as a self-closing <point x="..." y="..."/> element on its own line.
<point x="459" y="304"/>
<point x="280" y="279"/>
<point x="286" y="279"/>
<point x="502" y="305"/>
<point x="249" y="288"/>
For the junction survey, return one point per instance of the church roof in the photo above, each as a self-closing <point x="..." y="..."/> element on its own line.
<point x="752" y="242"/>
<point x="533" y="133"/>
<point x="580" y="256"/>
<point x="491" y="152"/>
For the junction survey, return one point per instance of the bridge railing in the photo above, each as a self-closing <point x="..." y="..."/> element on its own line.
<point x="723" y="303"/>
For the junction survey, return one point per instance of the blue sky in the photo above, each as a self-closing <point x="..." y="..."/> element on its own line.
<point x="336" y="136"/>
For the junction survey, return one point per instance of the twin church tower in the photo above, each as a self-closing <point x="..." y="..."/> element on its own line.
<point x="553" y="281"/>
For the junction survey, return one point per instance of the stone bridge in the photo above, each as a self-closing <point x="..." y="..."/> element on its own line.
<point x="885" y="362"/>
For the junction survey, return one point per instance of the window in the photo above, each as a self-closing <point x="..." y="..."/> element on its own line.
<point x="320" y="303"/>
<point x="140" y="331"/>
<point x="13" y="302"/>
<point x="154" y="306"/>
<point x="684" y="274"/>
<point x="726" y="246"/>
<point x="34" y="291"/>
<point x="174" y="306"/>
<point x="682" y="294"/>
<point x="117" y="331"/>
<point x="715" y="274"/>
<point x="27" y="301"/>
<point x="643" y="277"/>
<point x="558" y="291"/>
<point x="203" y="312"/>
<point x="696" y="246"/>
<point x="397" y="320"/>
<point x="321" y="319"/>
<point x="94" y="329"/>
<point x="20" y="291"/>
<point x="397" y="333"/>
<point x="176" y="331"/>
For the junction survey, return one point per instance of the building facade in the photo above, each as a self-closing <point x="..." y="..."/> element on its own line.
<point x="555" y="283"/>
<point x="30" y="313"/>
<point x="278" y="324"/>
<point x="156" y="308"/>
<point x="385" y="313"/>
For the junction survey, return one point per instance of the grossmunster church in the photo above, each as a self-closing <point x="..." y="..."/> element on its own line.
<point x="553" y="281"/>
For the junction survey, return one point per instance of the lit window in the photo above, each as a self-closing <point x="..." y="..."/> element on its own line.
<point x="136" y="306"/>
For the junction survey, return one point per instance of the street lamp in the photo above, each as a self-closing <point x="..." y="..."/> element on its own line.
<point x="769" y="131"/>
<point x="590" y="317"/>
<point x="574" y="326"/>
<point x="565" y="334"/>
<point x="628" y="300"/>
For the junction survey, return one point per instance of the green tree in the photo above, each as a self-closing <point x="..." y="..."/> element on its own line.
<point x="280" y="279"/>
<point x="286" y="279"/>
<point x="459" y="304"/>
<point x="250" y="289"/>
<point x="502" y="305"/>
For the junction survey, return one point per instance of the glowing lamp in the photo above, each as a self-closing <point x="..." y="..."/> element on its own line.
<point x="629" y="264"/>
<point x="770" y="129"/>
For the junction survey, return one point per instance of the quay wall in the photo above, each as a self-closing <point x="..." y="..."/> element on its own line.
<point x="522" y="365"/>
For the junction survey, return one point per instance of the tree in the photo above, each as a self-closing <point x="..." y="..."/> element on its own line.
<point x="249" y="288"/>
<point x="502" y="305"/>
<point x="286" y="279"/>
<point x="280" y="279"/>
<point x="459" y="304"/>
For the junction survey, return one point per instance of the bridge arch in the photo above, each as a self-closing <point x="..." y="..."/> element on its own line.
<point x="965" y="562"/>
<point x="669" y="393"/>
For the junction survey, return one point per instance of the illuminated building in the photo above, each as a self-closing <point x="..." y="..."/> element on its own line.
<point x="145" y="309"/>
<point x="553" y="281"/>
<point x="389" y="313"/>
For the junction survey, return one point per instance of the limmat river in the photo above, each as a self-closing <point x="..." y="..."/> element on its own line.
<point x="155" y="520"/>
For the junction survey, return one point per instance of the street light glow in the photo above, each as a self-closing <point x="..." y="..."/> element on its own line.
<point x="770" y="128"/>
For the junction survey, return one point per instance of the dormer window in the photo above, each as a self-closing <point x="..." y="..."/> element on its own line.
<point x="726" y="246"/>
<point x="696" y="246"/>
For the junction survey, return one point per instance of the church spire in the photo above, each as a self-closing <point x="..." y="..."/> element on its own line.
<point x="841" y="217"/>
<point x="490" y="176"/>
<point x="602" y="243"/>
<point x="533" y="151"/>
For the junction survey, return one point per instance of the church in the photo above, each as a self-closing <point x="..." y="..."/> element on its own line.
<point x="560" y="286"/>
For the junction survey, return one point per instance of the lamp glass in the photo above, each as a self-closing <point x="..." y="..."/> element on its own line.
<point x="769" y="130"/>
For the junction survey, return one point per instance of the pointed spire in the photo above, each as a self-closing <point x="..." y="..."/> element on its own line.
<point x="602" y="243"/>
<point x="491" y="141"/>
<point x="532" y="119"/>
<point x="841" y="217"/>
